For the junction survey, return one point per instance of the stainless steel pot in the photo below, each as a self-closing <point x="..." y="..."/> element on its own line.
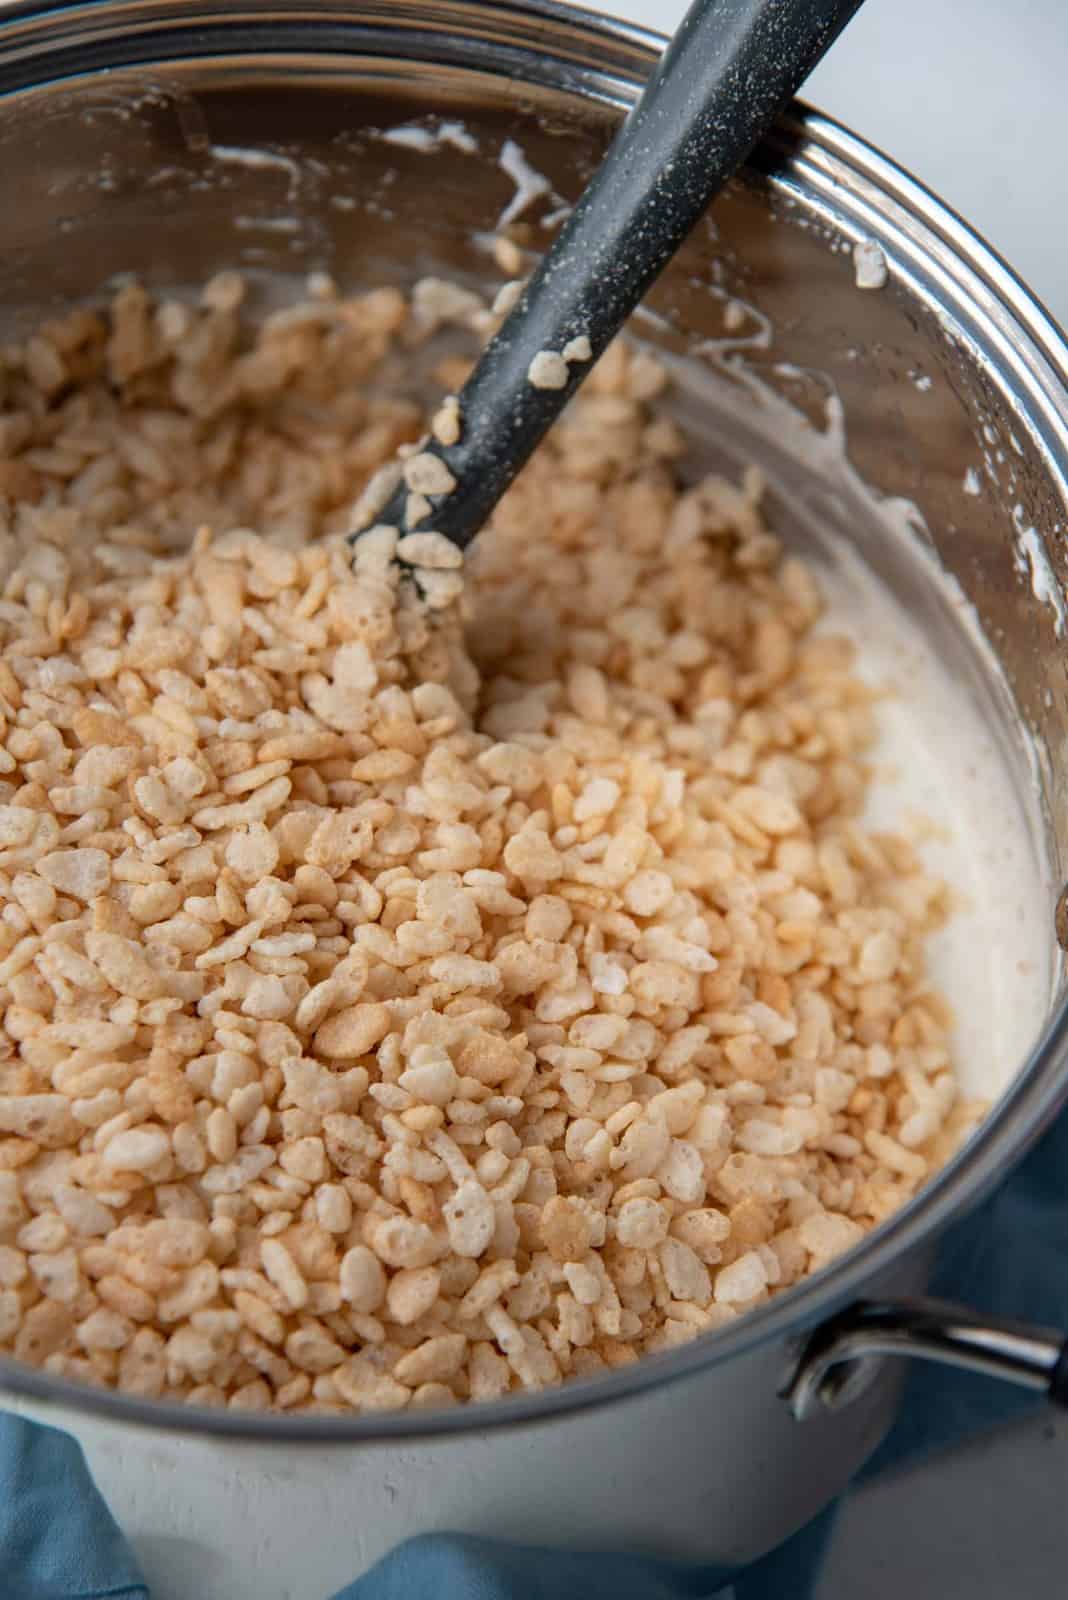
<point x="172" y="139"/>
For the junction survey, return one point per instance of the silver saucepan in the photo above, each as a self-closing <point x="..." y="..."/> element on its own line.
<point x="172" y="139"/>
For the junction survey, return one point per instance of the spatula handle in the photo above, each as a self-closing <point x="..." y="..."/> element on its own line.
<point x="731" y="67"/>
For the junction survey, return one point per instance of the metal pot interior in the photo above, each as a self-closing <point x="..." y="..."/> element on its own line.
<point x="243" y="144"/>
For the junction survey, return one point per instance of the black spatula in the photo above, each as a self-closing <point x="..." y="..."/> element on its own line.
<point x="731" y="67"/>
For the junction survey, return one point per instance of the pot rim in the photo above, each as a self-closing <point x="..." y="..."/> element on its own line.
<point x="1012" y="331"/>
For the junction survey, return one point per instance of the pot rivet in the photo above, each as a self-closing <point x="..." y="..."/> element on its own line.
<point x="1060" y="919"/>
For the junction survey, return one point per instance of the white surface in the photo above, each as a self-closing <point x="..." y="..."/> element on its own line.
<point x="986" y="1523"/>
<point x="969" y="95"/>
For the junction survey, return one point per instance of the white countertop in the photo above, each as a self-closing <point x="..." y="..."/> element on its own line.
<point x="986" y="1522"/>
<point x="969" y="95"/>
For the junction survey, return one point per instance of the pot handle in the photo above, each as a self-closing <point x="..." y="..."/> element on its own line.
<point x="836" y="1363"/>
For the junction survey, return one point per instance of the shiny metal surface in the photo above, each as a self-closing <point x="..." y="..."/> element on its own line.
<point x="923" y="1330"/>
<point x="128" y="115"/>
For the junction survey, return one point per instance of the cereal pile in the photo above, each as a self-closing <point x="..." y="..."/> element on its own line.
<point x="406" y="1004"/>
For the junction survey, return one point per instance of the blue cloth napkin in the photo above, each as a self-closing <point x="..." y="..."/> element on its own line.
<point x="58" y="1541"/>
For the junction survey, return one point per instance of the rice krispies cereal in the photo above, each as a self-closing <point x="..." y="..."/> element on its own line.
<point x="416" y="994"/>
